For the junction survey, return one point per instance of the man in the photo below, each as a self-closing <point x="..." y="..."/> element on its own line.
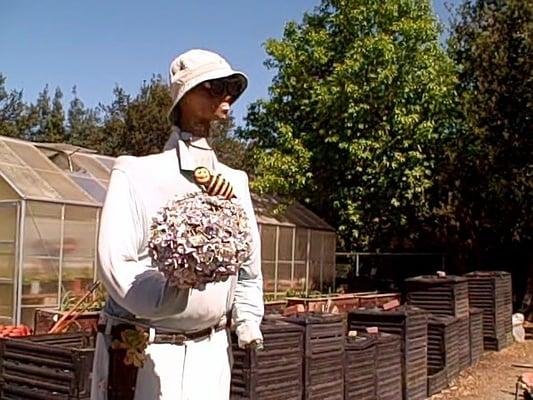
<point x="187" y="355"/>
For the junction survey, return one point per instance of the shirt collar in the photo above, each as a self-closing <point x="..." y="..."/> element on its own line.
<point x="178" y="140"/>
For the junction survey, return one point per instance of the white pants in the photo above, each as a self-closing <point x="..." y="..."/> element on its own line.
<point x="193" y="371"/>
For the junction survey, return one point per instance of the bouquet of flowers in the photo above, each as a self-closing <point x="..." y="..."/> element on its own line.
<point x="199" y="239"/>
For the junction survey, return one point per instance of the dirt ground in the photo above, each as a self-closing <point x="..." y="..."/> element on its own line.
<point x="493" y="377"/>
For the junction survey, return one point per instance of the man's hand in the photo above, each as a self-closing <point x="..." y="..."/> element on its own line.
<point x="249" y="336"/>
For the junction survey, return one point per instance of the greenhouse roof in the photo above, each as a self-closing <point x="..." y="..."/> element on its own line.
<point x="33" y="176"/>
<point x="294" y="214"/>
<point x="71" y="174"/>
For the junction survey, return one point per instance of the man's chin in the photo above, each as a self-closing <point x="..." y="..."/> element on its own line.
<point x="221" y="116"/>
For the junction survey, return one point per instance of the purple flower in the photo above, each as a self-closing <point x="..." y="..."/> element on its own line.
<point x="199" y="239"/>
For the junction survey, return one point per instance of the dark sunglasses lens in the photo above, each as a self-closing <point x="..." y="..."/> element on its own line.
<point x="234" y="87"/>
<point x="217" y="88"/>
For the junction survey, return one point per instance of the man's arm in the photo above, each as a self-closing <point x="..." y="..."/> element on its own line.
<point x="248" y="307"/>
<point x="139" y="288"/>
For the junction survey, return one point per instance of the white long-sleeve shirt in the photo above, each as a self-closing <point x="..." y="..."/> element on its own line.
<point x="138" y="188"/>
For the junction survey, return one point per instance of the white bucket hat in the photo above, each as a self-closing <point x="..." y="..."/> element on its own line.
<point x="194" y="67"/>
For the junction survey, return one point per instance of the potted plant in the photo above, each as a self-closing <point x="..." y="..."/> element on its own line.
<point x="84" y="317"/>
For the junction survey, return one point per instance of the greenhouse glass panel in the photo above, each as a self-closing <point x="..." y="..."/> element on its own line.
<point x="314" y="275"/>
<point x="6" y="302"/>
<point x="107" y="161"/>
<point x="301" y="244"/>
<point x="284" y="276"/>
<point x="8" y="248"/>
<point x="31" y="156"/>
<point x="8" y="216"/>
<point x="91" y="186"/>
<point x="77" y="275"/>
<point x="28" y="182"/>
<point x="61" y="161"/>
<point x="40" y="281"/>
<point x="27" y="316"/>
<point x="65" y="187"/>
<point x="104" y="184"/>
<point x="7" y="264"/>
<point x="7" y="156"/>
<point x="298" y="281"/>
<point x="42" y="229"/>
<point x="6" y="191"/>
<point x="316" y="246"/>
<point x="268" y="243"/>
<point x="79" y="248"/>
<point x="285" y="244"/>
<point x="268" y="269"/>
<point x="91" y="165"/>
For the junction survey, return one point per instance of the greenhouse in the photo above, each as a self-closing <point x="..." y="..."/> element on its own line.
<point x="50" y="201"/>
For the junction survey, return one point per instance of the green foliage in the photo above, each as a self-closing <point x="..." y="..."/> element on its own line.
<point x="94" y="302"/>
<point x="50" y="124"/>
<point x="361" y="104"/>
<point x="492" y="43"/>
<point x="135" y="125"/>
<point x="229" y="149"/>
<point x="16" y="118"/>
<point x="82" y="122"/>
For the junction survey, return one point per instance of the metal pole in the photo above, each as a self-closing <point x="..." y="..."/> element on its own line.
<point x="16" y="266"/>
<point x="356" y="264"/>
<point x="333" y="262"/>
<point x="20" y="264"/>
<point x="293" y="254"/>
<point x="61" y="242"/>
<point x="322" y="237"/>
<point x="95" y="262"/>
<point x="276" y="264"/>
<point x="307" y="261"/>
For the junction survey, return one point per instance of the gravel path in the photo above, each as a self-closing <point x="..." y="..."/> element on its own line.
<point x="493" y="377"/>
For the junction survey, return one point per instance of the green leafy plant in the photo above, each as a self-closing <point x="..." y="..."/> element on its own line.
<point x="360" y="109"/>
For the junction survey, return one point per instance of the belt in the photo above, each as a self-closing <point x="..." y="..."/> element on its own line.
<point x="178" y="338"/>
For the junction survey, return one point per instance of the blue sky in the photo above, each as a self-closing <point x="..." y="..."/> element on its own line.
<point x="97" y="44"/>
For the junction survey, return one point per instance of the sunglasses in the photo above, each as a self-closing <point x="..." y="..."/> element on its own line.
<point x="222" y="87"/>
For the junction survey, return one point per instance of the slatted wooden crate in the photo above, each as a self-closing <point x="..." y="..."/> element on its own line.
<point x="388" y="366"/>
<point x="274" y="373"/>
<point x="446" y="295"/>
<point x="443" y="346"/>
<point x="476" y="334"/>
<point x="437" y="381"/>
<point x="492" y="292"/>
<point x="323" y="355"/>
<point x="46" y="367"/>
<point x="463" y="330"/>
<point x="360" y="368"/>
<point x="410" y="323"/>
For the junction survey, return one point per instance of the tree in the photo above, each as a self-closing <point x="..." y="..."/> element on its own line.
<point x="16" y="119"/>
<point x="359" y="110"/>
<point x="492" y="43"/>
<point x="136" y="126"/>
<point x="229" y="149"/>
<point x="50" y="124"/>
<point x="82" y="123"/>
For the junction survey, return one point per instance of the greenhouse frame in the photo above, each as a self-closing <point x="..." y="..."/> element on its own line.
<point x="51" y="197"/>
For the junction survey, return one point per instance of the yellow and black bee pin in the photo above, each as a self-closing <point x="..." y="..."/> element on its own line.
<point x="214" y="185"/>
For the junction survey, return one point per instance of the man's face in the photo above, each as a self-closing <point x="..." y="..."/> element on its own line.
<point x="210" y="100"/>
